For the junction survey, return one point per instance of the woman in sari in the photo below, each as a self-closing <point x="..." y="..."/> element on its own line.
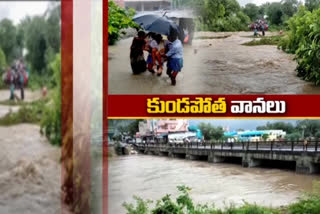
<point x="138" y="63"/>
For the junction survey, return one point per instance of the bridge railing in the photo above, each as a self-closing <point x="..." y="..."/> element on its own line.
<point x="289" y="146"/>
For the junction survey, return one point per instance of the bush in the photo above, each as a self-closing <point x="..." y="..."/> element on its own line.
<point x="304" y="40"/>
<point x="51" y="120"/>
<point x="267" y="40"/>
<point x="28" y="113"/>
<point x="118" y="19"/>
<point x="310" y="204"/>
<point x="184" y="205"/>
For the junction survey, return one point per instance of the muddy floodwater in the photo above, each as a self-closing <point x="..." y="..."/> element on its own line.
<point x="152" y="177"/>
<point x="217" y="63"/>
<point x="30" y="172"/>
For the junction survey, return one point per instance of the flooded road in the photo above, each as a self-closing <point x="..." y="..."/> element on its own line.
<point x="152" y="177"/>
<point x="214" y="66"/>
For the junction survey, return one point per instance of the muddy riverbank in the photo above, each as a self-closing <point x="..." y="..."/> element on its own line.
<point x="218" y="65"/>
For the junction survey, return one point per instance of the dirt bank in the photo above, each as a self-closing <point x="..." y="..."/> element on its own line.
<point x="214" y="66"/>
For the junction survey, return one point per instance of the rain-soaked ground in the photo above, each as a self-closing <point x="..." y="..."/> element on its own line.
<point x="214" y="66"/>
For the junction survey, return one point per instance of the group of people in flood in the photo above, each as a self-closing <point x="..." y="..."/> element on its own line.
<point x="16" y="77"/>
<point x="160" y="51"/>
<point x="259" y="25"/>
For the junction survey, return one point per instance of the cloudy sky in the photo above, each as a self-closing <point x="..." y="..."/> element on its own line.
<point x="17" y="10"/>
<point x="235" y="124"/>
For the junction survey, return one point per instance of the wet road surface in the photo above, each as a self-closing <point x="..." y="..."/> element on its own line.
<point x="214" y="66"/>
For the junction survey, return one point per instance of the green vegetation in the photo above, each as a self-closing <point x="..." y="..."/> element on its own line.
<point x="211" y="132"/>
<point x="40" y="37"/>
<point x="302" y="129"/>
<point x="27" y="113"/>
<point x="221" y="15"/>
<point x="45" y="112"/>
<point x="309" y="204"/>
<point x="124" y="128"/>
<point x="227" y="15"/>
<point x="51" y="118"/>
<point x="212" y="37"/>
<point x="267" y="40"/>
<point x="35" y="39"/>
<point x="118" y="19"/>
<point x="277" y="13"/>
<point x="304" y="41"/>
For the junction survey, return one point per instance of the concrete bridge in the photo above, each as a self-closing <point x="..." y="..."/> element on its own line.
<point x="303" y="156"/>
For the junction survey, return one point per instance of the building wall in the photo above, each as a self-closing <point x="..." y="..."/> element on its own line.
<point x="147" y="5"/>
<point x="120" y="3"/>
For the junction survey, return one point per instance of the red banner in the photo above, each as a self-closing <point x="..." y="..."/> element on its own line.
<point x="236" y="106"/>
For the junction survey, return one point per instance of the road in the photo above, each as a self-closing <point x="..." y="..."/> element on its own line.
<point x="218" y="65"/>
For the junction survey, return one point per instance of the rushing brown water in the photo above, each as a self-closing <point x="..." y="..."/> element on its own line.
<point x="30" y="172"/>
<point x="152" y="177"/>
<point x="218" y="66"/>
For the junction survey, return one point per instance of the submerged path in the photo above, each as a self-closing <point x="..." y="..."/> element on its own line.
<point x="219" y="64"/>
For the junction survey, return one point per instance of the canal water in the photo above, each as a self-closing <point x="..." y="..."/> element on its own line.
<point x="218" y="64"/>
<point x="152" y="177"/>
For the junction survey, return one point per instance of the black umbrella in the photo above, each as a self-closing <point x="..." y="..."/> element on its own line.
<point x="157" y="24"/>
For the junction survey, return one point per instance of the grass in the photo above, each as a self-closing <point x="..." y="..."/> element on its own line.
<point x="212" y="37"/>
<point x="11" y="103"/>
<point x="183" y="204"/>
<point x="267" y="40"/>
<point x="27" y="113"/>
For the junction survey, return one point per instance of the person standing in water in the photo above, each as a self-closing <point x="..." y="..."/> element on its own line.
<point x="138" y="63"/>
<point x="175" y="57"/>
<point x="155" y="55"/>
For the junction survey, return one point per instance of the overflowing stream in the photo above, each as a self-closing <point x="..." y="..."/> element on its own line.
<point x="152" y="177"/>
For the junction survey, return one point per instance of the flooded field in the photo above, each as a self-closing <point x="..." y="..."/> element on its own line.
<point x="152" y="177"/>
<point x="217" y="63"/>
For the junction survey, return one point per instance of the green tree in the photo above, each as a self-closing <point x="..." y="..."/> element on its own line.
<point x="287" y="127"/>
<point x="309" y="127"/>
<point x="275" y="13"/>
<point x="265" y="137"/>
<point x="312" y="4"/>
<point x="252" y="10"/>
<point x="293" y="136"/>
<point x="36" y="44"/>
<point x="289" y="7"/>
<point x="211" y="132"/>
<point x="3" y="61"/>
<point x="133" y="127"/>
<point x="220" y="15"/>
<point x="118" y="19"/>
<point x="317" y="135"/>
<point x="51" y="121"/>
<point x="8" y="42"/>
